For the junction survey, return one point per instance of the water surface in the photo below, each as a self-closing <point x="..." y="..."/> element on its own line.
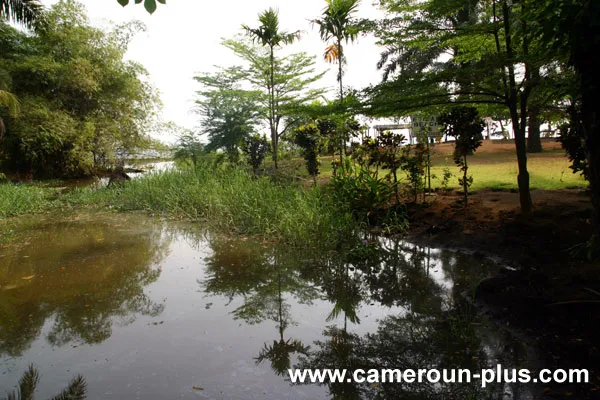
<point x="155" y="310"/>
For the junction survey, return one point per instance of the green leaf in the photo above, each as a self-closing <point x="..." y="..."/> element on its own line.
<point x="123" y="2"/>
<point x="150" y="5"/>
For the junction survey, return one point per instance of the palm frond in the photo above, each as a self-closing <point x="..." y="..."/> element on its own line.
<point x="332" y="53"/>
<point x="26" y="12"/>
<point x="27" y="385"/>
<point x="76" y="390"/>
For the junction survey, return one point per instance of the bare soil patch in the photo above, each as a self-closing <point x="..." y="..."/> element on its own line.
<point x="552" y="300"/>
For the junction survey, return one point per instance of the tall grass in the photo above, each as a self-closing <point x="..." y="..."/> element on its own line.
<point x="231" y="200"/>
<point x="16" y="199"/>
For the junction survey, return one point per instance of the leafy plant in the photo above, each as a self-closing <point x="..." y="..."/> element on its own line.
<point x="446" y="176"/>
<point x="308" y="138"/>
<point x="189" y="147"/>
<point x="464" y="124"/>
<point x="413" y="164"/>
<point x="361" y="193"/>
<point x="149" y="5"/>
<point x="256" y="149"/>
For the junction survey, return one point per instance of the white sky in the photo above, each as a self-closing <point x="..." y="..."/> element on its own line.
<point x="183" y="37"/>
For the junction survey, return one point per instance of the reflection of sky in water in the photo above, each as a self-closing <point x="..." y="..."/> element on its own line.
<point x="142" y="311"/>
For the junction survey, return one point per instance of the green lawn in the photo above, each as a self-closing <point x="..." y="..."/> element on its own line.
<point x="493" y="167"/>
<point x="547" y="170"/>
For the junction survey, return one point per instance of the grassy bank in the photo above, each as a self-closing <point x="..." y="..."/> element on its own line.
<point x="17" y="199"/>
<point x="230" y="200"/>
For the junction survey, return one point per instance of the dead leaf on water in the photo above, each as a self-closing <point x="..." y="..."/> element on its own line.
<point x="197" y="388"/>
<point x="28" y="278"/>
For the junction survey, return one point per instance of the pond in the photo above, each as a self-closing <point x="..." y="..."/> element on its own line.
<point x="141" y="168"/>
<point x="161" y="310"/>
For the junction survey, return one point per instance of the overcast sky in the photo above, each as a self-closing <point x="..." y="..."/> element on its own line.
<point x="183" y="38"/>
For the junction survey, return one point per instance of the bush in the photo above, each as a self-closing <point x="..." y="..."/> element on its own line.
<point x="361" y="193"/>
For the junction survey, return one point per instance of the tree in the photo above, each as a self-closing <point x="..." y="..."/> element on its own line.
<point x="281" y="93"/>
<point x="189" y="147"/>
<point x="337" y="23"/>
<point x="309" y="139"/>
<point x="494" y="55"/>
<point x="255" y="148"/>
<point x="229" y="113"/>
<point x="465" y="125"/>
<point x="82" y="105"/>
<point x="268" y="34"/>
<point x="569" y="29"/>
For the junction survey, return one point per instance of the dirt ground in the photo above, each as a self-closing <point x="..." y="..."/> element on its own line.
<point x="552" y="300"/>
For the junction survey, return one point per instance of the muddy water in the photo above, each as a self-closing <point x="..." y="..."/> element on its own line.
<point x="154" y="310"/>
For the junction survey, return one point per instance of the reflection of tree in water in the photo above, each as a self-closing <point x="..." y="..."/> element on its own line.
<point x="280" y="351"/>
<point x="262" y="276"/>
<point x="428" y="336"/>
<point x="76" y="390"/>
<point x="86" y="275"/>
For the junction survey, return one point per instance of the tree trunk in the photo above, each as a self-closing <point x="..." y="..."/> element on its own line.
<point x="523" y="176"/>
<point x="518" y="121"/>
<point x="587" y="65"/>
<point x="534" y="141"/>
<point x="342" y="134"/>
<point x="465" y="184"/>
<point x="274" y="138"/>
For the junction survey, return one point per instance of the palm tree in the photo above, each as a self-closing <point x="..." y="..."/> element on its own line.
<point x="75" y="391"/>
<point x="268" y="34"/>
<point x="338" y="24"/>
<point x="26" y="12"/>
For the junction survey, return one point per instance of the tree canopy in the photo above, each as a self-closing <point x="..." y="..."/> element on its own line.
<point x="82" y="106"/>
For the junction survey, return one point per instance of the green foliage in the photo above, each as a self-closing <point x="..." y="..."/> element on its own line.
<point x="465" y="125"/>
<point x="280" y="85"/>
<point x="269" y="35"/>
<point x="71" y="78"/>
<point x="573" y="142"/>
<point x="149" y="5"/>
<point x="361" y="193"/>
<point x="232" y="200"/>
<point x="229" y="113"/>
<point x="256" y="149"/>
<point x="18" y="199"/>
<point x="338" y="23"/>
<point x="189" y="147"/>
<point x="446" y="176"/>
<point x="387" y="155"/>
<point x="492" y="57"/>
<point x="308" y="137"/>
<point x="413" y="164"/>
